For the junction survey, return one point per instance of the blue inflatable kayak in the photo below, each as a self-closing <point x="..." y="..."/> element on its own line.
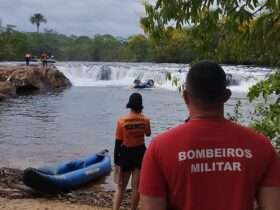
<point x="68" y="174"/>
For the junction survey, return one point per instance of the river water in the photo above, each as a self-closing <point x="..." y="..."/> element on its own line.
<point x="46" y="128"/>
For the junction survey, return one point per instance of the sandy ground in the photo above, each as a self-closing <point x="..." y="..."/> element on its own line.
<point x="42" y="204"/>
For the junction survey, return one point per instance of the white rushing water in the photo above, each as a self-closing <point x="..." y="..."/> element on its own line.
<point x="123" y="74"/>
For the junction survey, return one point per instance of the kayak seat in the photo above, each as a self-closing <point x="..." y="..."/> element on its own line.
<point x="72" y="166"/>
<point x="62" y="169"/>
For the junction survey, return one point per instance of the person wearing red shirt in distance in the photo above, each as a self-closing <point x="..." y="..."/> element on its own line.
<point x="129" y="149"/>
<point x="209" y="163"/>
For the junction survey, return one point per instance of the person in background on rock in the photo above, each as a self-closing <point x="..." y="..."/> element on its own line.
<point x="129" y="150"/>
<point x="27" y="58"/>
<point x="209" y="162"/>
<point x="44" y="59"/>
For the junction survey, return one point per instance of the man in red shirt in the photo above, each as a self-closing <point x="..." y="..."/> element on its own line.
<point x="129" y="149"/>
<point x="209" y="163"/>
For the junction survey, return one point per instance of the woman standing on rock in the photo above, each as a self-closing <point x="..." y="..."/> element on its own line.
<point x="27" y="58"/>
<point x="44" y="59"/>
<point x="129" y="149"/>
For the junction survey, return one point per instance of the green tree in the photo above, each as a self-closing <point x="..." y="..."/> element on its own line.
<point x="1" y="26"/>
<point x="37" y="19"/>
<point x="105" y="48"/>
<point x="138" y="48"/>
<point x="13" y="45"/>
<point x="251" y="27"/>
<point x="234" y="23"/>
<point x="267" y="114"/>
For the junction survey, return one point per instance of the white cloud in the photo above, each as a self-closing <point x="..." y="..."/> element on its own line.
<point x="79" y="17"/>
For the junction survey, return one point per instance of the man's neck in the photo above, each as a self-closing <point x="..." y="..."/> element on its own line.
<point x="197" y="117"/>
<point x="207" y="114"/>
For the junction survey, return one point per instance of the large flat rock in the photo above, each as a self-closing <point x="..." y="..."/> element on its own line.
<point x="20" y="79"/>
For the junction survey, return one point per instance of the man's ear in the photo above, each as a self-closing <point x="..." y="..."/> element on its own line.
<point x="186" y="96"/>
<point x="227" y="95"/>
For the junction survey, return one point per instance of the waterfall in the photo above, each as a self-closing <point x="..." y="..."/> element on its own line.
<point x="123" y="74"/>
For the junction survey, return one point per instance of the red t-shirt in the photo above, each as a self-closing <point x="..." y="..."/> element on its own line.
<point x="209" y="165"/>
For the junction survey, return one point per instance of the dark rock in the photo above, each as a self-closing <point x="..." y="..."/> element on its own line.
<point x="105" y="73"/>
<point x="7" y="89"/>
<point x="24" y="80"/>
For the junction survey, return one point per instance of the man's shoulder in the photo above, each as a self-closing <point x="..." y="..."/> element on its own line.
<point x="186" y="129"/>
<point x="247" y="131"/>
<point x="250" y="137"/>
<point x="172" y="133"/>
<point x="167" y="142"/>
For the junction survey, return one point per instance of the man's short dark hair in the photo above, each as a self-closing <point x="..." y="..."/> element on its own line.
<point x="206" y="82"/>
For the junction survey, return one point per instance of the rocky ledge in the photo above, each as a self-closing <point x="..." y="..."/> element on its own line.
<point x="20" y="79"/>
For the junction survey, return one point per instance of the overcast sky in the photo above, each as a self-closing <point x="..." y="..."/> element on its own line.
<point x="78" y="17"/>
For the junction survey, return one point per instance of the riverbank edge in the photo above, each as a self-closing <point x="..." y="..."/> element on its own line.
<point x="36" y="204"/>
<point x="15" y="195"/>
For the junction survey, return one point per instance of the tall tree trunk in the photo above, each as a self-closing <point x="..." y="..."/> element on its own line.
<point x="38" y="25"/>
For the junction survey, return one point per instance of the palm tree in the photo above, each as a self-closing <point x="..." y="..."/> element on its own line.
<point x="38" y="19"/>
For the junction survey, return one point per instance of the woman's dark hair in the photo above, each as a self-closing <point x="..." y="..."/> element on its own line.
<point x="206" y="82"/>
<point x="135" y="102"/>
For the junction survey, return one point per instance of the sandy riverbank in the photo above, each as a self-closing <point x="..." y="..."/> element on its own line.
<point x="43" y="204"/>
<point x="14" y="195"/>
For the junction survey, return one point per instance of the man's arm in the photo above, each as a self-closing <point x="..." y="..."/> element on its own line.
<point x="269" y="198"/>
<point x="153" y="188"/>
<point x="152" y="203"/>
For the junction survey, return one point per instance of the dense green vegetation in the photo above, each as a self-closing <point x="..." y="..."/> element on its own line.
<point x="181" y="45"/>
<point x="245" y="31"/>
<point x="176" y="47"/>
<point x="228" y="31"/>
<point x="266" y="117"/>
